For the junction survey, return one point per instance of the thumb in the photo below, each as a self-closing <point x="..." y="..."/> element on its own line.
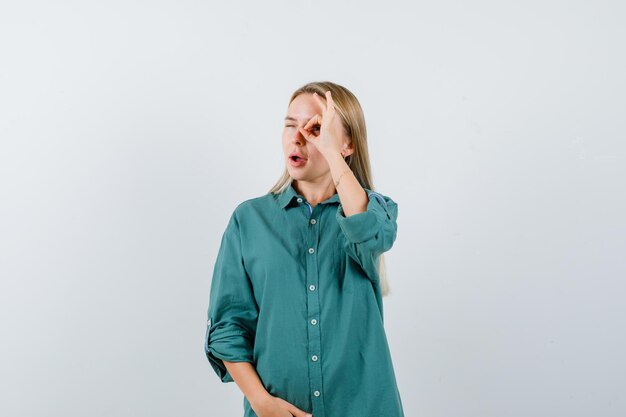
<point x="308" y="136"/>
<point x="295" y="410"/>
<point x="299" y="413"/>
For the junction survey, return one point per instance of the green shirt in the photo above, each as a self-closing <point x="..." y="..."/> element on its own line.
<point x="296" y="292"/>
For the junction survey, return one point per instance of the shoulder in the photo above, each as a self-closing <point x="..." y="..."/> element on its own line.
<point x="253" y="205"/>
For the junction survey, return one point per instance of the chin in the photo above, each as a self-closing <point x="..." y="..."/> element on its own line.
<point x="296" y="175"/>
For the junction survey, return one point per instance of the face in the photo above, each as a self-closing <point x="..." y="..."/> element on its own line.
<point x="314" y="167"/>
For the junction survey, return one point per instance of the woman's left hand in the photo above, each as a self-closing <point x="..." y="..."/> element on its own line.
<point x="331" y="138"/>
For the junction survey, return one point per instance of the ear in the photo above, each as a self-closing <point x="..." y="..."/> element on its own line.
<point x="348" y="149"/>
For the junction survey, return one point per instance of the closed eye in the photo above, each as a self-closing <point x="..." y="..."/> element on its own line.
<point x="314" y="127"/>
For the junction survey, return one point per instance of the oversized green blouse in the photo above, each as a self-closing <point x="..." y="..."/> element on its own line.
<point x="296" y="292"/>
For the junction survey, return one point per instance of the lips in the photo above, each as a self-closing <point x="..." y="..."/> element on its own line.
<point x="296" y="156"/>
<point x="296" y="159"/>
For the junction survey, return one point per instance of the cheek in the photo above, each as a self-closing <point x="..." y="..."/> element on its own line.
<point x="317" y="158"/>
<point x="285" y="141"/>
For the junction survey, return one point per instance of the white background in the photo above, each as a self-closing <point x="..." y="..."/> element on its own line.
<point x="131" y="129"/>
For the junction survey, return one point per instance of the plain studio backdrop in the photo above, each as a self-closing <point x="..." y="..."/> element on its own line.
<point x="131" y="130"/>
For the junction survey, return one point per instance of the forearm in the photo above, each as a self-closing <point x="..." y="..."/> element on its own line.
<point x="247" y="379"/>
<point x="352" y="196"/>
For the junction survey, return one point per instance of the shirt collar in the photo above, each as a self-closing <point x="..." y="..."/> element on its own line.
<point x="290" y="193"/>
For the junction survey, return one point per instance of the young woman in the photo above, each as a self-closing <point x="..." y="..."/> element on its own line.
<point x="295" y="313"/>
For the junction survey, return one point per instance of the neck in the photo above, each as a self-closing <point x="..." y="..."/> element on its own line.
<point x="315" y="192"/>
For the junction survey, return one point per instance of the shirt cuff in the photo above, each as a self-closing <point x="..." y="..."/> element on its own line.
<point x="363" y="226"/>
<point x="233" y="346"/>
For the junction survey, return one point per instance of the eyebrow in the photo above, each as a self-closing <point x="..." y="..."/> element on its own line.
<point x="294" y="119"/>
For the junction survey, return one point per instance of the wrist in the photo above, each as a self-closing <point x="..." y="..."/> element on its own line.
<point x="333" y="155"/>
<point x="258" y="399"/>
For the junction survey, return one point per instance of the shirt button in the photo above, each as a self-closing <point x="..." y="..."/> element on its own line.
<point x="299" y="200"/>
<point x="314" y="358"/>
<point x="312" y="287"/>
<point x="313" y="221"/>
<point x="311" y="250"/>
<point x="316" y="393"/>
<point x="313" y="322"/>
<point x="208" y="322"/>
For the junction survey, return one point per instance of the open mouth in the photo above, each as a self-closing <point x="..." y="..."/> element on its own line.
<point x="296" y="158"/>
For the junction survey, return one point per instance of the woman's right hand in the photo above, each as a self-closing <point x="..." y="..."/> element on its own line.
<point x="272" y="406"/>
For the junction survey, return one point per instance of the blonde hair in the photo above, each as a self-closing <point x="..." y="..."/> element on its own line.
<point x="349" y="109"/>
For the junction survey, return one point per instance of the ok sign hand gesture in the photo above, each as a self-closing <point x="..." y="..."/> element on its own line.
<point x="332" y="137"/>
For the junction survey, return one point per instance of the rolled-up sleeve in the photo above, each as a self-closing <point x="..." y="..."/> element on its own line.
<point x="233" y="312"/>
<point x="370" y="233"/>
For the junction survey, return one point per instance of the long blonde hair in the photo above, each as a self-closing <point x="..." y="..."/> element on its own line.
<point x="349" y="109"/>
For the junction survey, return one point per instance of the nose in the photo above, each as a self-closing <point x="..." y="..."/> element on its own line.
<point x="298" y="138"/>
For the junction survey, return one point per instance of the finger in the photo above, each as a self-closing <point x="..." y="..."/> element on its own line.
<point x="317" y="119"/>
<point x="320" y="101"/>
<point x="330" y="102"/>
<point x="305" y="134"/>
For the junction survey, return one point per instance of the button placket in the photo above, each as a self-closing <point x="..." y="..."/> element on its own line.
<point x="313" y="311"/>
